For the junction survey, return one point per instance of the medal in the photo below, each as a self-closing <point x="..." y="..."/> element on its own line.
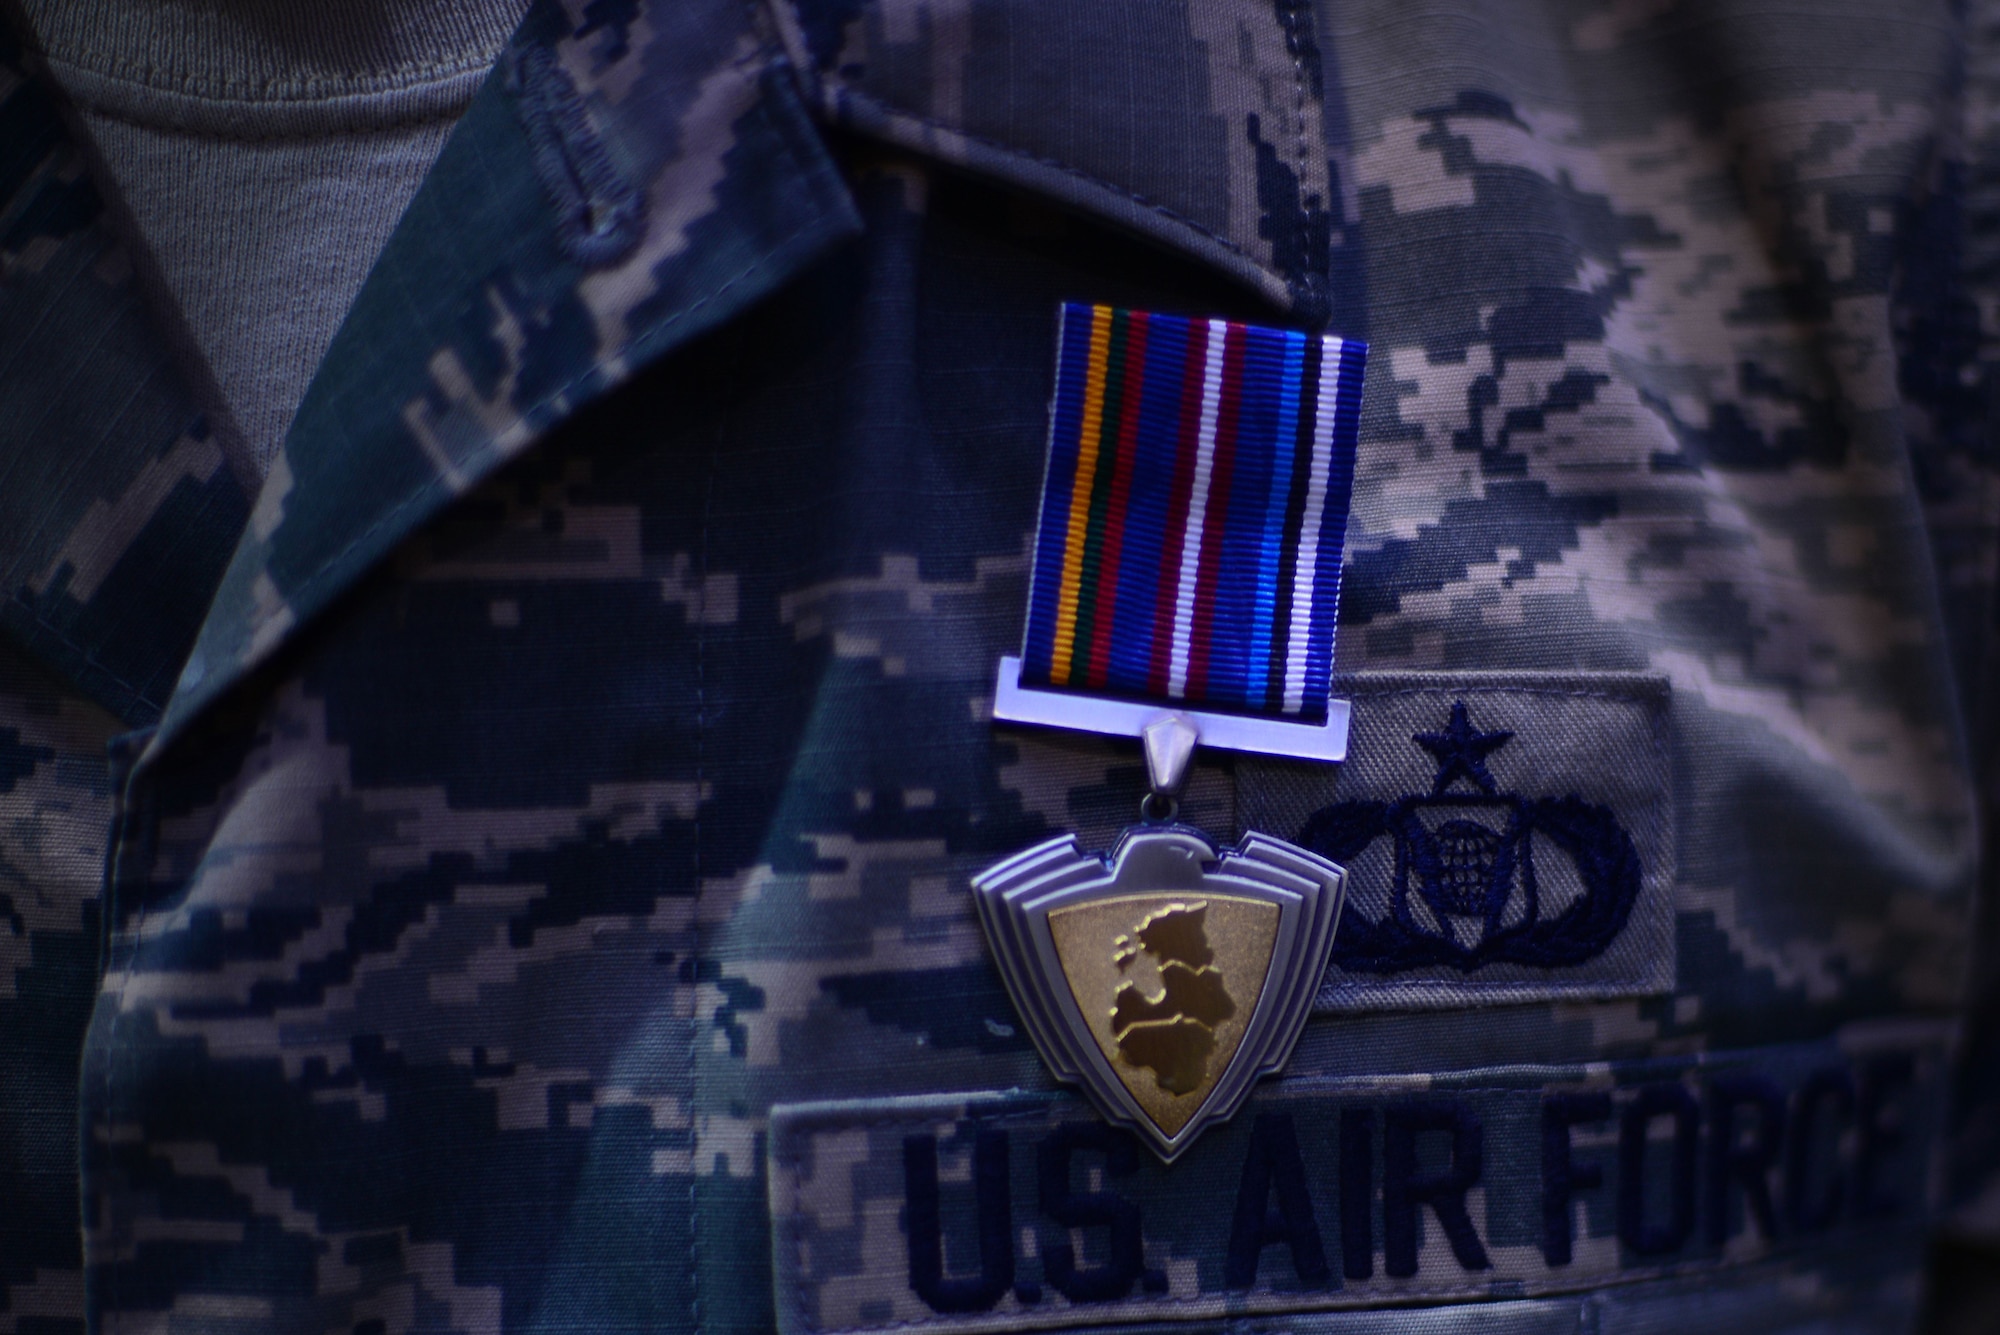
<point x="1187" y="569"/>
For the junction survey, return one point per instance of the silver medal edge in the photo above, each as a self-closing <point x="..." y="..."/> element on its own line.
<point x="1257" y="734"/>
<point x="1016" y="896"/>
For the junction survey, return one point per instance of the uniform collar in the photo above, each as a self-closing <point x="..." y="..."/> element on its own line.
<point x="622" y="185"/>
<point x="619" y="186"/>
<point x="118" y="511"/>
<point x="630" y="177"/>
<point x="1199" y="128"/>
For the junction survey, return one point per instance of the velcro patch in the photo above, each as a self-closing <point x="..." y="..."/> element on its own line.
<point x="1506" y="837"/>
<point x="978" y="1212"/>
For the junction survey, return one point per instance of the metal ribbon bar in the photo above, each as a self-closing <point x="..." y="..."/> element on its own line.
<point x="1267" y="736"/>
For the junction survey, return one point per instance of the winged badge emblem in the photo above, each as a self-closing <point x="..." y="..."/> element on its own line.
<point x="1166" y="977"/>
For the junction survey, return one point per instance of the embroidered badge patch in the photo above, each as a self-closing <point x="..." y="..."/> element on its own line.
<point x="1506" y="838"/>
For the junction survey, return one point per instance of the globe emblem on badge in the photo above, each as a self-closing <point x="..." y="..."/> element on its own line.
<point x="1171" y="1032"/>
<point x="1460" y="878"/>
<point x="1480" y="875"/>
<point x="1166" y="977"/>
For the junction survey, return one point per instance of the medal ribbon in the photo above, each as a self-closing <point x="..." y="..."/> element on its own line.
<point x="1194" y="512"/>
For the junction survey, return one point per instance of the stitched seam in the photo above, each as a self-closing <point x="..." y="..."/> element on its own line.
<point x="1622" y="697"/>
<point x="1605" y="988"/>
<point x="792" y="1241"/>
<point x="1652" y="703"/>
<point x="1014" y="150"/>
<point x="153" y="78"/>
<point x="166" y="125"/>
<point x="1081" y="1315"/>
<point x="1322" y="1086"/>
<point x="694" y="926"/>
<point x="791" y="1162"/>
<point x="600" y="216"/>
<point x="89" y="657"/>
<point x="136" y="935"/>
<point x="1294" y="43"/>
<point x="781" y="30"/>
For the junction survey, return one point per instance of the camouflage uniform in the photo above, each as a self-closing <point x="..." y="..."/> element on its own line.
<point x="508" y="870"/>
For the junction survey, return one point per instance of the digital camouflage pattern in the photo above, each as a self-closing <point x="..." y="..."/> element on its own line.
<point x="573" y="785"/>
<point x="117" y="508"/>
<point x="118" y="514"/>
<point x="55" y="816"/>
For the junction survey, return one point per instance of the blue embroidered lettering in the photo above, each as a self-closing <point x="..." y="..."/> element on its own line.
<point x="1273" y="1162"/>
<point x="1518" y="1183"/>
<point x="1094" y="1209"/>
<point x="1562" y="1177"/>
<point x="1403" y="1189"/>
<point x="1357" y="1192"/>
<point x="1877" y="1115"/>
<point x="1643" y="1235"/>
<point x="1823" y="1108"/>
<point x="1745" y="1154"/>
<point x="924" y="1222"/>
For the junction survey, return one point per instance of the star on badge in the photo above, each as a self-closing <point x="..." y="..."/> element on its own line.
<point x="1166" y="978"/>
<point x="1461" y="751"/>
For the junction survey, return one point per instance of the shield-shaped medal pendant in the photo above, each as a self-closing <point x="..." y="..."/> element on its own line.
<point x="1167" y="977"/>
<point x="1184" y="591"/>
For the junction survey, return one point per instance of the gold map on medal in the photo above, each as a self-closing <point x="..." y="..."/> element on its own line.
<point x="1168" y="983"/>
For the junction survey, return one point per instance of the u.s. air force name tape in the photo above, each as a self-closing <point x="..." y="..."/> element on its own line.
<point x="983" y="1211"/>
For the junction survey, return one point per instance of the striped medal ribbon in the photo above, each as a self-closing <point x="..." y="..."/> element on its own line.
<point x="1186" y="576"/>
<point x="1193" y="515"/>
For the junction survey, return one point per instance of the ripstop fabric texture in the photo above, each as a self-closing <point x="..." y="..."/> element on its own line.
<point x="507" y="868"/>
